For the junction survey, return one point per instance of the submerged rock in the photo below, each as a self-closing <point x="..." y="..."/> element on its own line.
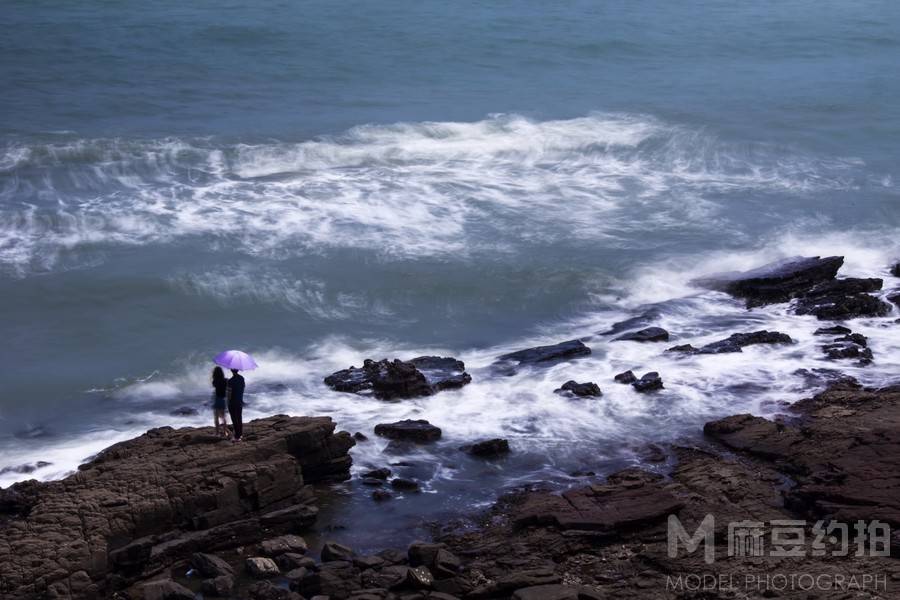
<point x="895" y="269"/>
<point x="405" y="485"/>
<point x="579" y="389"/>
<point x="648" y="382"/>
<point x="388" y="380"/>
<point x="834" y="330"/>
<point x="650" y="334"/>
<point x="735" y="342"/>
<point x="894" y="297"/>
<point x="26" y="468"/>
<point x="776" y="282"/>
<point x="411" y="430"/>
<point x="547" y="355"/>
<point x="626" y="377"/>
<point x="487" y="448"/>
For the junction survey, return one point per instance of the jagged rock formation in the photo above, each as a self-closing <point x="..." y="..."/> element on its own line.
<point x="389" y="380"/>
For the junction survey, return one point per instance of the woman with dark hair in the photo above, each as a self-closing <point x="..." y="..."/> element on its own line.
<point x="220" y="385"/>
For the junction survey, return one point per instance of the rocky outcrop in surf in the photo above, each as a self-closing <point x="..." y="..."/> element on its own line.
<point x="142" y="505"/>
<point x="735" y="342"/>
<point x="390" y="380"/>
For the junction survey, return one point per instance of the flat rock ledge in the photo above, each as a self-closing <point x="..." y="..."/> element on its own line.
<point x="835" y="458"/>
<point x="141" y="505"/>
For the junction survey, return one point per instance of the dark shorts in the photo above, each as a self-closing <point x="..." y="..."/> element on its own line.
<point x="218" y="402"/>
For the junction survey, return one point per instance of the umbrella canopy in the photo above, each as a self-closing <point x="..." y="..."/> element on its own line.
<point x="235" y="359"/>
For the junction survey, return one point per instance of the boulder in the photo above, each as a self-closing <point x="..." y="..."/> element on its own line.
<point x="382" y="473"/>
<point x="648" y="382"/>
<point x="626" y="377"/>
<point x="776" y="282"/>
<point x="547" y="355"/>
<point x="290" y="561"/>
<point x="210" y="565"/>
<point x="266" y="590"/>
<point x="487" y="448"/>
<point x="389" y="380"/>
<point x="220" y="586"/>
<point x="581" y="390"/>
<point x="735" y="342"/>
<point x="166" y="590"/>
<point x="360" y="437"/>
<point x="25" y="468"/>
<point x="895" y="269"/>
<point x="332" y="551"/>
<point x="283" y="544"/>
<point x="404" y="485"/>
<point x="894" y="297"/>
<point x="381" y="495"/>
<point x="261" y="567"/>
<point x="649" y="334"/>
<point x="419" y="431"/>
<point x="337" y="580"/>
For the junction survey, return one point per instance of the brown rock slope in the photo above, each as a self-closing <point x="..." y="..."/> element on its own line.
<point x="145" y="503"/>
<point x="836" y="459"/>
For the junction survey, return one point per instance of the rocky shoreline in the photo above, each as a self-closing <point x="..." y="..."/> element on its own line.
<point x="179" y="512"/>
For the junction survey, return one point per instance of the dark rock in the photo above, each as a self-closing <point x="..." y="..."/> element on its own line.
<point x="166" y="590"/>
<point x="735" y="342"/>
<point x="283" y="544"/>
<point x="420" y="431"/>
<point x="289" y="561"/>
<point x="419" y="578"/>
<point x="393" y="556"/>
<point x="626" y="377"/>
<point x="369" y="562"/>
<point x="210" y="565"/>
<point x="648" y="382"/>
<point x="26" y="468"/>
<point x="261" y="567"/>
<point x="833" y="330"/>
<point x="507" y="583"/>
<point x="360" y="437"/>
<point x="854" y="338"/>
<point x="266" y="590"/>
<point x="337" y="580"/>
<point x="776" y="282"/>
<point x="649" y="334"/>
<point x="488" y="448"/>
<point x="333" y="551"/>
<point x="184" y="411"/>
<point x="844" y="350"/>
<point x="390" y="380"/>
<point x="371" y="482"/>
<point x="895" y="269"/>
<point x="382" y="473"/>
<point x="580" y="389"/>
<point x="404" y="485"/>
<point x="220" y="586"/>
<point x="547" y="355"/>
<point x="641" y="320"/>
<point x="894" y="297"/>
<point x="381" y="495"/>
<point x="821" y="376"/>
<point x="843" y="299"/>
<point x="442" y="373"/>
<point x="546" y="592"/>
<point x="423" y="553"/>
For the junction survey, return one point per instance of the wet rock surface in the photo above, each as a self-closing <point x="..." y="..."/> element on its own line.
<point x="648" y="382"/>
<point x="143" y="505"/>
<point x="735" y="342"/>
<point x="609" y="540"/>
<point x="776" y="282"/>
<point x="544" y="355"/>
<point x="487" y="448"/>
<point x="397" y="379"/>
<point x="419" y="430"/>
<point x="582" y="390"/>
<point x="649" y="334"/>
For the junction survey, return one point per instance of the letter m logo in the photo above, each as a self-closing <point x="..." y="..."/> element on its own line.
<point x="705" y="533"/>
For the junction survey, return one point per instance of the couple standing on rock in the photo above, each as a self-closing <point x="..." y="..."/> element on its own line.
<point x="228" y="392"/>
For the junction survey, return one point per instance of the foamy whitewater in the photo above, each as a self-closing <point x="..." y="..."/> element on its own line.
<point x="318" y="186"/>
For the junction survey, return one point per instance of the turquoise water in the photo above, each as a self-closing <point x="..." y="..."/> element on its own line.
<point x="317" y="182"/>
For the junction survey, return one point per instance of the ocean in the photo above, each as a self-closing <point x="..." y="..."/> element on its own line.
<point x="322" y="182"/>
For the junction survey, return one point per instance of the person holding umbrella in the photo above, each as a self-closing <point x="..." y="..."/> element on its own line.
<point x="236" y="361"/>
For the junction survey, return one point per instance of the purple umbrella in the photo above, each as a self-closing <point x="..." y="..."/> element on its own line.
<point x="235" y="359"/>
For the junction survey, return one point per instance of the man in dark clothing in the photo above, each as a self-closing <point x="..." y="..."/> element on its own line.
<point x="236" y="403"/>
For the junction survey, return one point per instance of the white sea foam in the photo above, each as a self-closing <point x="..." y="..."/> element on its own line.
<point x="414" y="189"/>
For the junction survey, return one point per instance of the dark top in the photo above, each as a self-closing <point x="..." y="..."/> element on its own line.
<point x="220" y="387"/>
<point x="236" y="385"/>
